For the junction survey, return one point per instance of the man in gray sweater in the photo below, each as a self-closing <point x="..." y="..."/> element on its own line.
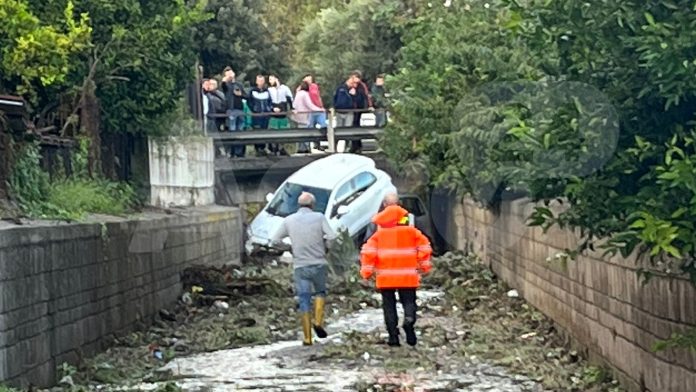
<point x="310" y="235"/>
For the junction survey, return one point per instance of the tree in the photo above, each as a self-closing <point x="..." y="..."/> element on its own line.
<point x="530" y="95"/>
<point x="236" y="36"/>
<point x="35" y="54"/>
<point x="364" y="35"/>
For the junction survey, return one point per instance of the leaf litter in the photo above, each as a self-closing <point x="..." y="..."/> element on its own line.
<point x="475" y="328"/>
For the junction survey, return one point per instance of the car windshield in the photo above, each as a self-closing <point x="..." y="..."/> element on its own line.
<point x="285" y="201"/>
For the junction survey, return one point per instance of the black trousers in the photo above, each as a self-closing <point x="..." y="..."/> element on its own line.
<point x="407" y="297"/>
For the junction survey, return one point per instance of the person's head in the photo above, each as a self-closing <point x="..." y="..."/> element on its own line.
<point x="390" y="199"/>
<point x="212" y="85"/>
<point x="260" y="81"/>
<point x="304" y="85"/>
<point x="273" y="80"/>
<point x="354" y="78"/>
<point x="308" y="78"/>
<point x="379" y="80"/>
<point x="306" y="199"/>
<point x="205" y="84"/>
<point x="228" y="73"/>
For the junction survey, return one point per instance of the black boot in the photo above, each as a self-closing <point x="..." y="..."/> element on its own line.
<point x="407" y="297"/>
<point x="393" y="341"/>
<point x="411" y="338"/>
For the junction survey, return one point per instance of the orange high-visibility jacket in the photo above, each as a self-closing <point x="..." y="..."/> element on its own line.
<point x="396" y="254"/>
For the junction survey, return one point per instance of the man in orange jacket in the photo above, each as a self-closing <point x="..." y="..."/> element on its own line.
<point x="397" y="254"/>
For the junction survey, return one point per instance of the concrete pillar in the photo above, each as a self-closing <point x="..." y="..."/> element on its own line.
<point x="182" y="171"/>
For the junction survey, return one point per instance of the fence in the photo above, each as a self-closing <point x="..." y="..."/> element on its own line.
<point x="330" y="134"/>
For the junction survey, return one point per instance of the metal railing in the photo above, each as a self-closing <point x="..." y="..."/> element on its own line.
<point x="330" y="134"/>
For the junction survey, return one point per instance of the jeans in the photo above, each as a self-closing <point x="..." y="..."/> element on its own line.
<point x="310" y="280"/>
<point x="317" y="118"/>
<point x="407" y="297"/>
<point x="235" y="122"/>
<point x="314" y="120"/>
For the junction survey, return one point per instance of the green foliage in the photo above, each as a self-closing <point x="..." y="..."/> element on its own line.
<point x="237" y="36"/>
<point x="80" y="197"/>
<point x="139" y="55"/>
<point x="678" y="340"/>
<point x="29" y="184"/>
<point x="145" y="57"/>
<point x="35" y="53"/>
<point x="362" y="35"/>
<point x="65" y="198"/>
<point x="531" y="96"/>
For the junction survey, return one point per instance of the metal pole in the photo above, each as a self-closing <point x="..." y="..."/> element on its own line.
<point x="330" y="136"/>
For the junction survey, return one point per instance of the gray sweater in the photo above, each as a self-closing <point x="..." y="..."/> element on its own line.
<point x="310" y="235"/>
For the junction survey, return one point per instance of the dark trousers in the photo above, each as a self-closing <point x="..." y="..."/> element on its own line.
<point x="407" y="297"/>
<point x="260" y="123"/>
<point x="356" y="145"/>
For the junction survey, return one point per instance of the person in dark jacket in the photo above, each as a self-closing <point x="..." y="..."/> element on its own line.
<point x="234" y="100"/>
<point x="343" y="100"/>
<point x="379" y="101"/>
<point x="260" y="101"/>
<point x="216" y="106"/>
<point x="361" y="100"/>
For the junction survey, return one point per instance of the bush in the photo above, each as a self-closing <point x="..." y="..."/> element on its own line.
<point x="65" y="198"/>
<point x="80" y="197"/>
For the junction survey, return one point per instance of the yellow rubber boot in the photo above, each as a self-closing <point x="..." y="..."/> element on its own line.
<point x="307" y="328"/>
<point x="319" y="317"/>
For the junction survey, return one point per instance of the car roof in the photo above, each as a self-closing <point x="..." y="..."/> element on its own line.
<point x="328" y="172"/>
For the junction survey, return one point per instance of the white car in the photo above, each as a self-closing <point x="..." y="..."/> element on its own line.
<point x="348" y="189"/>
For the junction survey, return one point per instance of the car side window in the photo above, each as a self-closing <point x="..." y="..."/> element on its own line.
<point x="363" y="181"/>
<point x="344" y="191"/>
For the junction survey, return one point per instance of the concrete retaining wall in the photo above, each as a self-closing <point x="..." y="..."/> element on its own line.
<point x="182" y="172"/>
<point x="63" y="289"/>
<point x="599" y="301"/>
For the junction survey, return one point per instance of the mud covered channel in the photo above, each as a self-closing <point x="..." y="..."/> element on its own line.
<point x="236" y="330"/>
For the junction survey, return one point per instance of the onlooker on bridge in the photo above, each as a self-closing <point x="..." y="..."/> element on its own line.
<point x="234" y="97"/>
<point x="344" y="100"/>
<point x="259" y="102"/>
<point x="204" y="101"/>
<point x="216" y="106"/>
<point x="305" y="109"/>
<point x="361" y="100"/>
<point x="379" y="101"/>
<point x="281" y="97"/>
<point x="319" y="117"/>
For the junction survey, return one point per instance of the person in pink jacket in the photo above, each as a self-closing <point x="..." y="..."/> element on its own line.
<point x="305" y="112"/>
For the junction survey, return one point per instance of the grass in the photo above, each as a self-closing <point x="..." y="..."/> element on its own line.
<point x="80" y="197"/>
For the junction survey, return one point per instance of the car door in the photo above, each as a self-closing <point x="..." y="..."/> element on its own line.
<point x="338" y="198"/>
<point x="364" y="201"/>
<point x="359" y="195"/>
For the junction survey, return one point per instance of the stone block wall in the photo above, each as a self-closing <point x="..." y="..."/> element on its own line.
<point x="599" y="301"/>
<point x="65" y="288"/>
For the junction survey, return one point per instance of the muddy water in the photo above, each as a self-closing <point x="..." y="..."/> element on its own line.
<point x="288" y="366"/>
